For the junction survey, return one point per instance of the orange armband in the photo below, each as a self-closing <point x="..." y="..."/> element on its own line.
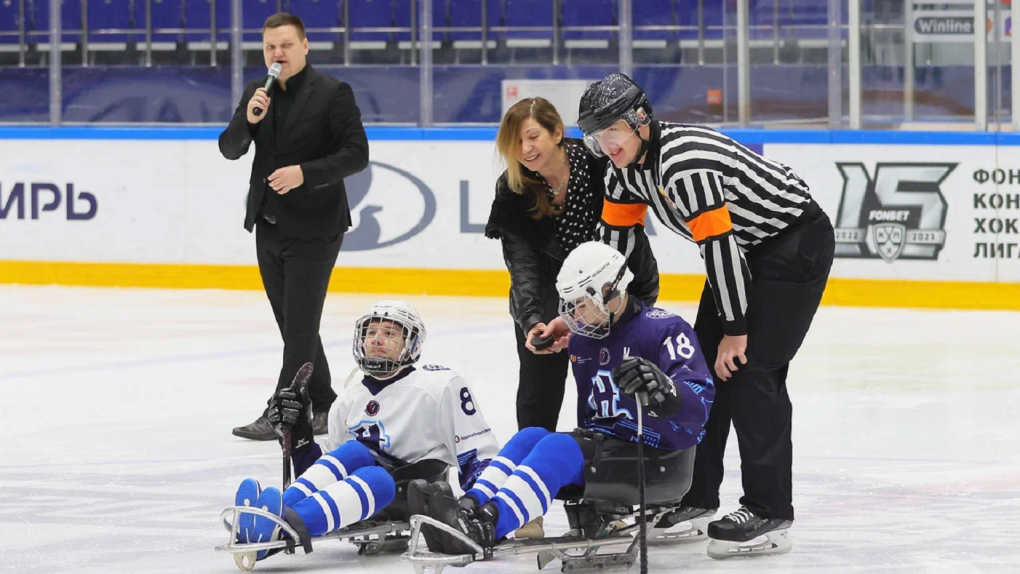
<point x="624" y="214"/>
<point x="710" y="224"/>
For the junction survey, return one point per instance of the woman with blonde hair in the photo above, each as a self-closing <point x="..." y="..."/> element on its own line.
<point x="549" y="201"/>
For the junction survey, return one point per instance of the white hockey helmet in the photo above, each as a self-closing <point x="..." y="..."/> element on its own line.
<point x="388" y="338"/>
<point x="592" y="275"/>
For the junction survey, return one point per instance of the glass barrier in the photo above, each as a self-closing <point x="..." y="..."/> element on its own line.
<point x="169" y="61"/>
<point x="911" y="74"/>
<point x="789" y="61"/>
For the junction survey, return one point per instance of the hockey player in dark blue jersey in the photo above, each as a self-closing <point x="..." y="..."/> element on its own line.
<point x="624" y="348"/>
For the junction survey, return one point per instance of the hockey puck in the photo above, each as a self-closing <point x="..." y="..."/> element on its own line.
<point x="542" y="343"/>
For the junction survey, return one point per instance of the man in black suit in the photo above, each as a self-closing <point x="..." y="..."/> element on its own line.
<point x="308" y="137"/>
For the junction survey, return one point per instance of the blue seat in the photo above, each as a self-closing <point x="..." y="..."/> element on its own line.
<point x="166" y="15"/>
<point x="687" y="15"/>
<point x="70" y="20"/>
<point x="468" y="14"/>
<point x="577" y="13"/>
<point x="370" y="14"/>
<point x="317" y="16"/>
<point x="402" y="19"/>
<point x="109" y="22"/>
<point x="762" y="18"/>
<point x="654" y="13"/>
<point x="9" y="23"/>
<point x="762" y="13"/>
<point x="522" y="13"/>
<point x="198" y="23"/>
<point x="253" y="16"/>
<point x="805" y="13"/>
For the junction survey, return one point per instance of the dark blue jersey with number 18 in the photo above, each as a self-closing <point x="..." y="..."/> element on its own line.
<point x="657" y="336"/>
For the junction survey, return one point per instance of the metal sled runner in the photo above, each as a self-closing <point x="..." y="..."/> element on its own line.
<point x="370" y="537"/>
<point x="601" y="515"/>
<point x="578" y="551"/>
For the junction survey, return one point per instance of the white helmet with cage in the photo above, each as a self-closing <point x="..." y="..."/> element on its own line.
<point x="591" y="277"/>
<point x="388" y="338"/>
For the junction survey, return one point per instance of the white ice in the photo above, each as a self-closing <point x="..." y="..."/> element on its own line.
<point x="116" y="454"/>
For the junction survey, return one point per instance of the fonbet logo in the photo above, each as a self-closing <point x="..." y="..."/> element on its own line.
<point x="388" y="206"/>
<point x="900" y="213"/>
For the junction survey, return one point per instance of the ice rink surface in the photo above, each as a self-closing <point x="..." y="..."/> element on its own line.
<point x="116" y="455"/>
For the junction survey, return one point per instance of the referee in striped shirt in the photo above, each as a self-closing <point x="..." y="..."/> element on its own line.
<point x="767" y="248"/>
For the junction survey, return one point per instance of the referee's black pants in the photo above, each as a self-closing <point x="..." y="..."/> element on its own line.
<point x="543" y="379"/>
<point x="295" y="273"/>
<point x="788" y="274"/>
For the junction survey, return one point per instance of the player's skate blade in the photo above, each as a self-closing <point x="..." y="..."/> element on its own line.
<point x="683" y="526"/>
<point x="743" y="533"/>
<point x="770" y="543"/>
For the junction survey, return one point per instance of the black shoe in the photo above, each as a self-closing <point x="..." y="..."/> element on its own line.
<point x="320" y="423"/>
<point x="444" y="507"/>
<point x="744" y="525"/>
<point x="258" y="430"/>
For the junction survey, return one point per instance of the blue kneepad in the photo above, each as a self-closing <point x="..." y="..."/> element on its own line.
<point x="521" y="444"/>
<point x="352" y="455"/>
<point x="558" y="460"/>
<point x="380" y="487"/>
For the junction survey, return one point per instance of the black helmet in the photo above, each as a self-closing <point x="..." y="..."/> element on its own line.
<point x="609" y="100"/>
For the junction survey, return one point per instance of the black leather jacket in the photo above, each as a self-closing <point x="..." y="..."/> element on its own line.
<point x="534" y="256"/>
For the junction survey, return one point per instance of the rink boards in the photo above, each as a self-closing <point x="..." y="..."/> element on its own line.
<point x="922" y="219"/>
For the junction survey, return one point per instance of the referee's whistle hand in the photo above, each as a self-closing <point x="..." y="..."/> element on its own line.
<point x="730" y="349"/>
<point x="286" y="179"/>
<point x="259" y="100"/>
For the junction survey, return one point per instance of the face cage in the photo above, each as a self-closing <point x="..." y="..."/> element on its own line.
<point x="392" y="334"/>
<point x="596" y="142"/>
<point x="594" y="321"/>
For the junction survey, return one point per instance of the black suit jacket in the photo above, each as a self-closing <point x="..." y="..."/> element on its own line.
<point x="323" y="135"/>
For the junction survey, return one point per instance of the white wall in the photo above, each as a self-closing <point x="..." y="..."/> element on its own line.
<point x="181" y="202"/>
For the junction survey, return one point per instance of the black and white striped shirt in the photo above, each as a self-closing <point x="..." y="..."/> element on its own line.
<point x="713" y="191"/>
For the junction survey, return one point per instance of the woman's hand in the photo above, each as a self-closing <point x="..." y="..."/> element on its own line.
<point x="557" y="329"/>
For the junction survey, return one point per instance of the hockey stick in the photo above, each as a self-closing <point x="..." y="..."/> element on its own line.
<point x="642" y="401"/>
<point x="299" y="382"/>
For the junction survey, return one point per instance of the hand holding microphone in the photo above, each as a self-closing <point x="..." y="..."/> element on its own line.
<point x="260" y="100"/>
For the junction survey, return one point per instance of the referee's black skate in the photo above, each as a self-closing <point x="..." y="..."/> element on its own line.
<point x="683" y="525"/>
<point x="743" y="533"/>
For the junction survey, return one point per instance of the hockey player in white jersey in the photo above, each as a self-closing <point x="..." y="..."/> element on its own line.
<point x="397" y="417"/>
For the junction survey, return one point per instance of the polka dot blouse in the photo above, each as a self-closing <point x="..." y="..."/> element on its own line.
<point x="576" y="220"/>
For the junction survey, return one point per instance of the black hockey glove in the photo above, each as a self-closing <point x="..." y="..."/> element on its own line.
<point x="294" y="409"/>
<point x="637" y="375"/>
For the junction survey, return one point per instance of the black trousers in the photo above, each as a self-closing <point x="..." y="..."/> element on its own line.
<point x="543" y="379"/>
<point x="295" y="273"/>
<point x="788" y="274"/>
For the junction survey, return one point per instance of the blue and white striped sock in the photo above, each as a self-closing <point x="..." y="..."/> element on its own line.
<point x="331" y="467"/>
<point x="356" y="498"/>
<point x="501" y="467"/>
<point x="555" y="462"/>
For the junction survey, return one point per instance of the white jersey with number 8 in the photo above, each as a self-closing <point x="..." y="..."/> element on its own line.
<point x="428" y="412"/>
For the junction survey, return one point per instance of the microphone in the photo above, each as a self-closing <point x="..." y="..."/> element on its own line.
<point x="274" y="72"/>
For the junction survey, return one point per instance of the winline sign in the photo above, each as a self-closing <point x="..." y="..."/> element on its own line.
<point x="954" y="26"/>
